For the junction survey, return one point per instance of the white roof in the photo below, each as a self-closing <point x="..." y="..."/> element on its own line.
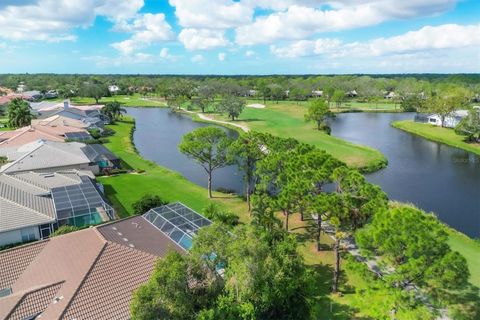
<point x="43" y="154"/>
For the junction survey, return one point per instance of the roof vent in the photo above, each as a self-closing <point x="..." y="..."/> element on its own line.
<point x="114" y="228"/>
<point x="125" y="239"/>
<point x="57" y="299"/>
<point x="131" y="245"/>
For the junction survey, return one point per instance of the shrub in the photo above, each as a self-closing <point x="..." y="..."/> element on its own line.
<point x="146" y="203"/>
<point x="214" y="212"/>
<point x="64" y="230"/>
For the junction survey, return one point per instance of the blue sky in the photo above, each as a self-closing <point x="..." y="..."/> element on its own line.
<point x="239" y="37"/>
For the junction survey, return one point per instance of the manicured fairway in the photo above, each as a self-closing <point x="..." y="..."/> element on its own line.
<point x="135" y="100"/>
<point x="123" y="190"/>
<point x="439" y="134"/>
<point x="287" y="120"/>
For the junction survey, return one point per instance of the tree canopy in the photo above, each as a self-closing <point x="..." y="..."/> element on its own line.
<point x="19" y="113"/>
<point x="318" y="111"/>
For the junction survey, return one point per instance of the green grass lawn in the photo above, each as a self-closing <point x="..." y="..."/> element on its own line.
<point x="135" y="100"/>
<point x="470" y="249"/>
<point x="287" y="120"/>
<point x="124" y="189"/>
<point x="439" y="134"/>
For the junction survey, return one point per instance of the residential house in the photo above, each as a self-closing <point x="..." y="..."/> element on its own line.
<point x="450" y="121"/>
<point x="89" y="115"/>
<point x="33" y="205"/>
<point x="51" y="129"/>
<point x="49" y="156"/>
<point x="113" y="89"/>
<point x="91" y="273"/>
<point x="352" y="94"/>
<point x="317" y="93"/>
<point x="390" y="95"/>
<point x="33" y="95"/>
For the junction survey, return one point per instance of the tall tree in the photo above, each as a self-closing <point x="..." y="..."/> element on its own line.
<point x="209" y="147"/>
<point x="95" y="91"/>
<point x="318" y="112"/>
<point x="246" y="151"/>
<point x="470" y="126"/>
<point x="338" y="97"/>
<point x="232" y="106"/>
<point x="19" y="113"/>
<point x="415" y="244"/>
<point x="113" y="110"/>
<point x="446" y="101"/>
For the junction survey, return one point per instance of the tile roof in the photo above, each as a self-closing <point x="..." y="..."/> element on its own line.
<point x="91" y="273"/>
<point x="107" y="290"/>
<point x="138" y="233"/>
<point x="14" y="261"/>
<point x="44" y="154"/>
<point x="35" y="302"/>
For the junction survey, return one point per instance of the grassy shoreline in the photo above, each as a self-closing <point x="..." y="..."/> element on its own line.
<point x="438" y="134"/>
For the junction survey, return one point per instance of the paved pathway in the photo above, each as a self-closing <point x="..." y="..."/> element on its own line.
<point x="207" y="118"/>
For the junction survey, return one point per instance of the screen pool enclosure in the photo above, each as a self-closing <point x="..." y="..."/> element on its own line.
<point x="81" y="204"/>
<point x="178" y="222"/>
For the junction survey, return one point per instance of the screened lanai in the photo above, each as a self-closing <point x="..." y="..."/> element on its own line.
<point x="178" y="222"/>
<point x="81" y="204"/>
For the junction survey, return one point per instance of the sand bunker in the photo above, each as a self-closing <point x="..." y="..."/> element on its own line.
<point x="256" y="105"/>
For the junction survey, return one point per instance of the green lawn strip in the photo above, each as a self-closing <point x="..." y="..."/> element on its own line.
<point x="135" y="100"/>
<point x="470" y="249"/>
<point x="438" y="134"/>
<point x="287" y="120"/>
<point x="124" y="189"/>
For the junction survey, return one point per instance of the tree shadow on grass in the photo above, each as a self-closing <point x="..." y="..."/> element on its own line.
<point x="464" y="303"/>
<point x="323" y="305"/>
<point x="111" y="195"/>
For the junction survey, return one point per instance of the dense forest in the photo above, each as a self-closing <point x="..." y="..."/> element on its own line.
<point x="298" y="87"/>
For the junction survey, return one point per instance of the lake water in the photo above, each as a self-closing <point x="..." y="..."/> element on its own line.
<point x="157" y="135"/>
<point x="432" y="176"/>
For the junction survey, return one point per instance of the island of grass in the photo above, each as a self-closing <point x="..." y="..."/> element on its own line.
<point x="438" y="134"/>
<point x="124" y="189"/>
<point x="286" y="120"/>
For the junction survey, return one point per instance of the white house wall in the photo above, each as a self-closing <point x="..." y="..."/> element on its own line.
<point x="15" y="236"/>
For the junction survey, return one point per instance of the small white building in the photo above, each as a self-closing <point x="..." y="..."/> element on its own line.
<point x="113" y="88"/>
<point x="450" y="121"/>
<point x="317" y="93"/>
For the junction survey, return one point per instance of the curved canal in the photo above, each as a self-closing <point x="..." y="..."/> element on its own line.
<point x="433" y="176"/>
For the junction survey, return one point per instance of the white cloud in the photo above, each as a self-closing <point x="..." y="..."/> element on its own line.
<point x="222" y="56"/>
<point x="249" y="53"/>
<point x="197" y="58"/>
<point x="448" y="36"/>
<point x="48" y="20"/>
<point x="202" y="39"/>
<point x="213" y="14"/>
<point x="300" y="21"/>
<point x="137" y="58"/>
<point x="146" y="29"/>
<point x="164" y="53"/>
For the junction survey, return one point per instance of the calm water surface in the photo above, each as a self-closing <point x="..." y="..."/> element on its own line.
<point x="433" y="176"/>
<point x="157" y="135"/>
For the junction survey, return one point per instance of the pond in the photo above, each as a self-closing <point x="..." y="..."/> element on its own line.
<point x="431" y="175"/>
<point x="157" y="135"/>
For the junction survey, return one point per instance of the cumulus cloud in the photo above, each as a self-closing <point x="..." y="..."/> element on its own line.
<point x="202" y="39"/>
<point x="146" y="29"/>
<point x="300" y="21"/>
<point x="48" y="20"/>
<point x="249" y="53"/>
<point x="213" y="14"/>
<point x="222" y="56"/>
<point x="197" y="58"/>
<point x="448" y="36"/>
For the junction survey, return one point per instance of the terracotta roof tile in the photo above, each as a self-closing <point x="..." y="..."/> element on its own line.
<point x="107" y="290"/>
<point x="14" y="261"/>
<point x="34" y="302"/>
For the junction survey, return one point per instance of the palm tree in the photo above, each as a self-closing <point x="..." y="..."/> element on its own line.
<point x="113" y="110"/>
<point x="19" y="113"/>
